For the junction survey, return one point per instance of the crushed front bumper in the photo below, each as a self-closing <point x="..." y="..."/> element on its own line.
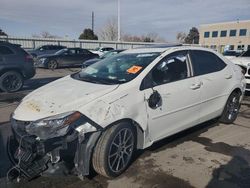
<point x="31" y="155"/>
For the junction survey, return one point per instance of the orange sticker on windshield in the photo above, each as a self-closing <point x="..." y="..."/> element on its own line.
<point x="134" y="69"/>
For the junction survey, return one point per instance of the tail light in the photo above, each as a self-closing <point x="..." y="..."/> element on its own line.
<point x="29" y="58"/>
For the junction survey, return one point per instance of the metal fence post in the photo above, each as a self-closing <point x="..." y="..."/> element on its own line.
<point x="34" y="44"/>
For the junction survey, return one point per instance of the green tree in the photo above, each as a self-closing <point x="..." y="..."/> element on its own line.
<point x="88" y="34"/>
<point x="193" y="36"/>
<point x="2" y="33"/>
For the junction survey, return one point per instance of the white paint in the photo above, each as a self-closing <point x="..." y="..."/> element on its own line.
<point x="182" y="106"/>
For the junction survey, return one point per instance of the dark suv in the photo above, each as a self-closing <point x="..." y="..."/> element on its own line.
<point x="16" y="65"/>
<point x="45" y="50"/>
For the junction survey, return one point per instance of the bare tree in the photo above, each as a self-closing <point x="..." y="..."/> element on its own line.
<point x="109" y="32"/>
<point x="131" y="38"/>
<point x="155" y="37"/>
<point x="150" y="37"/>
<point x="45" y="34"/>
<point x="181" y="36"/>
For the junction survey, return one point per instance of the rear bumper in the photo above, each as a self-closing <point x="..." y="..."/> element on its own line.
<point x="248" y="87"/>
<point x="29" y="72"/>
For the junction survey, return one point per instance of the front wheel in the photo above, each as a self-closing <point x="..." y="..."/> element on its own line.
<point x="231" y="109"/>
<point x="52" y="64"/>
<point x="114" y="150"/>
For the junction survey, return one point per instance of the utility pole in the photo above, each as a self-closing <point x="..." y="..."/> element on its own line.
<point x="93" y="19"/>
<point x="119" y="22"/>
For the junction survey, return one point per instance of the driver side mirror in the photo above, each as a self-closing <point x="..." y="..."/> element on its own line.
<point x="154" y="100"/>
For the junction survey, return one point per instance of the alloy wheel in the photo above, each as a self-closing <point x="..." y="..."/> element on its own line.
<point x="121" y="150"/>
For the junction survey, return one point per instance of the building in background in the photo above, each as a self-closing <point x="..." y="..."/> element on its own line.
<point x="226" y="36"/>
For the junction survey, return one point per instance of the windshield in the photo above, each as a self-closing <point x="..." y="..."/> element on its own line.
<point x="61" y="51"/>
<point x="97" y="49"/>
<point x="116" y="69"/>
<point x="229" y="53"/>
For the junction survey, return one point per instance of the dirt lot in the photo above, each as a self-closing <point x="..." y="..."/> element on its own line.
<point x="208" y="155"/>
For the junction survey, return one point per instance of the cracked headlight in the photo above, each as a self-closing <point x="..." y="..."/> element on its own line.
<point x="53" y="126"/>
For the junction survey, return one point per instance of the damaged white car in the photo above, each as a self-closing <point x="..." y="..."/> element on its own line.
<point x="103" y="114"/>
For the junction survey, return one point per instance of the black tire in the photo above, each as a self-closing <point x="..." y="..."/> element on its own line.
<point x="110" y="158"/>
<point x="231" y="108"/>
<point x="52" y="64"/>
<point x="11" y="81"/>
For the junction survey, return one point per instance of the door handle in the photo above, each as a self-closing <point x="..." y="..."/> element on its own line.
<point x="195" y="86"/>
<point x="229" y="76"/>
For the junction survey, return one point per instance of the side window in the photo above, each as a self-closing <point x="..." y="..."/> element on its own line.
<point x="72" y="52"/>
<point x="205" y="62"/>
<point x="171" y="68"/>
<point x="4" y="50"/>
<point x="85" y="52"/>
<point x="53" y="48"/>
<point x="44" y="48"/>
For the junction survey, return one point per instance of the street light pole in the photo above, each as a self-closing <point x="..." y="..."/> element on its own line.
<point x="119" y="23"/>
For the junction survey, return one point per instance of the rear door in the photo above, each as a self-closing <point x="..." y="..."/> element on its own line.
<point x="8" y="56"/>
<point x="179" y="92"/>
<point x="215" y="78"/>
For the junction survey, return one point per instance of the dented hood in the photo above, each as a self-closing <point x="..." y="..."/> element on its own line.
<point x="63" y="95"/>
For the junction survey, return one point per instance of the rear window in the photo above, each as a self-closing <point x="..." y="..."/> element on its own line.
<point x="4" y="50"/>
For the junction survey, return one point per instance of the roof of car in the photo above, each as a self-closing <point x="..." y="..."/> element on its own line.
<point x="10" y="44"/>
<point x="163" y="48"/>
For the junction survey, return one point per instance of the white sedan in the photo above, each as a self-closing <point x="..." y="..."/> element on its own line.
<point x="102" y="50"/>
<point x="103" y="114"/>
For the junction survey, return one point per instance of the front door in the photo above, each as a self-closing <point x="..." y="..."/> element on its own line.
<point x="179" y="92"/>
<point x="70" y="58"/>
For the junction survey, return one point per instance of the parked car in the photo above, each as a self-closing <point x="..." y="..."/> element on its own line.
<point x="229" y="54"/>
<point x="101" y="50"/>
<point x="105" y="55"/>
<point x="65" y="57"/>
<point x="244" y="62"/>
<point x="104" y="113"/>
<point x="16" y="65"/>
<point x="45" y="50"/>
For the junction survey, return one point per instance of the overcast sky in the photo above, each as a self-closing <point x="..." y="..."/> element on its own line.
<point x="138" y="17"/>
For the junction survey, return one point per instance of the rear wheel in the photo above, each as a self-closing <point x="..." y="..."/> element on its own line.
<point x="231" y="109"/>
<point x="11" y="81"/>
<point x="114" y="150"/>
<point x="52" y="64"/>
